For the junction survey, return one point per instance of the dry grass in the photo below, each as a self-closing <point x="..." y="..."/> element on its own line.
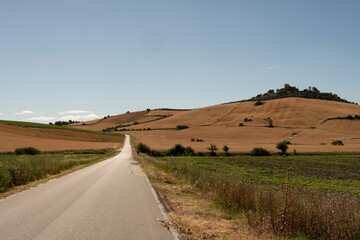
<point x="195" y="214"/>
<point x="287" y="213"/>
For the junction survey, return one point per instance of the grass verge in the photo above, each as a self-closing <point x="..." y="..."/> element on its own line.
<point x="18" y="173"/>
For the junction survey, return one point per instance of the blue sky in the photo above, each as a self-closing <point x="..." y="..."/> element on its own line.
<point x="83" y="59"/>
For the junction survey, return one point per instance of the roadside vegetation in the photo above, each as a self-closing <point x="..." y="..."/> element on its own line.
<point x="26" y="165"/>
<point x="302" y="196"/>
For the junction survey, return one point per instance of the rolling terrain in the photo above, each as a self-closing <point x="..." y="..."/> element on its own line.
<point x="308" y="124"/>
<point x="53" y="138"/>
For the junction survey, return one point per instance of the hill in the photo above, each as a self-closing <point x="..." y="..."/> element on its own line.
<point x="48" y="137"/>
<point x="302" y="121"/>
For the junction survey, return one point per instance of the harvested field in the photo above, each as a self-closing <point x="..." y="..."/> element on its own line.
<point x="54" y="139"/>
<point x="299" y="120"/>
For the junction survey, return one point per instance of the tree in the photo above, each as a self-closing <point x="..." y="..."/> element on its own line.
<point x="212" y="149"/>
<point x="282" y="146"/>
<point x="226" y="149"/>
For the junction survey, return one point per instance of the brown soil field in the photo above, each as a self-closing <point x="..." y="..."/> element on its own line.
<point x="298" y="120"/>
<point x="48" y="139"/>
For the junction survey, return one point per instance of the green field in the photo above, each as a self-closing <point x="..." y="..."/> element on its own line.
<point x="18" y="170"/>
<point x="339" y="174"/>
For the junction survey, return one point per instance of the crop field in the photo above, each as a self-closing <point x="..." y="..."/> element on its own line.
<point x="338" y="174"/>
<point x="18" y="170"/>
<point x="51" y="126"/>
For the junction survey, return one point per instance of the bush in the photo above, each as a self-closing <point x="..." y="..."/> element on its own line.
<point x="156" y="153"/>
<point x="260" y="152"/>
<point x="270" y="122"/>
<point x="282" y="146"/>
<point x="337" y="143"/>
<point x="241" y="124"/>
<point x="141" y="147"/>
<point x="247" y="119"/>
<point x="179" y="150"/>
<point x="180" y="127"/>
<point x="189" y="151"/>
<point x="350" y="117"/>
<point x="258" y="103"/>
<point x="27" y="151"/>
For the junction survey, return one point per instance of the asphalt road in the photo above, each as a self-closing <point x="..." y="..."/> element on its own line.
<point x="108" y="200"/>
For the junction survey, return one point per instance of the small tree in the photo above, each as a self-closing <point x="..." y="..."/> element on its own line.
<point x="282" y="146"/>
<point x="226" y="150"/>
<point x="212" y="149"/>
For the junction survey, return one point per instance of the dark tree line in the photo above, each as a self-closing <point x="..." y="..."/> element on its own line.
<point x="64" y="123"/>
<point x="289" y="91"/>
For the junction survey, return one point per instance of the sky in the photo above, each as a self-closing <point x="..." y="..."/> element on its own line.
<point x="85" y="59"/>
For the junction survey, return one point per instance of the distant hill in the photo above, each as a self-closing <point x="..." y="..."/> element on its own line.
<point x="289" y="91"/>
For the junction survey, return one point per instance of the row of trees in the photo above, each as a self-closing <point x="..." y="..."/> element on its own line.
<point x="289" y="91"/>
<point x="63" y="123"/>
<point x="179" y="150"/>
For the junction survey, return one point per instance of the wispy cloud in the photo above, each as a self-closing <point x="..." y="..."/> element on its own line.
<point x="80" y="117"/>
<point x="24" y="112"/>
<point x="272" y="67"/>
<point x="41" y="119"/>
<point x="74" y="112"/>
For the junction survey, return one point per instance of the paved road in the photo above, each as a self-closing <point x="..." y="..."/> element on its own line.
<point x="108" y="200"/>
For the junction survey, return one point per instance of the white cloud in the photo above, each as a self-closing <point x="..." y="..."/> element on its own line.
<point x="1" y="113"/>
<point x="74" y="112"/>
<point x="272" y="67"/>
<point x="24" y="112"/>
<point x="79" y="117"/>
<point x="41" y="119"/>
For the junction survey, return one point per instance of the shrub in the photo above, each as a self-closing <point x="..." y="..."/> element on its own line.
<point x="193" y="139"/>
<point x="141" y="147"/>
<point x="259" y="152"/>
<point x="350" y="117"/>
<point x="270" y="122"/>
<point x="282" y="146"/>
<point x="5" y="179"/>
<point x="179" y="150"/>
<point x="258" y="103"/>
<point x="200" y="140"/>
<point x="180" y="127"/>
<point x="247" y="119"/>
<point x="189" y="151"/>
<point x="27" y="151"/>
<point x="337" y="143"/>
<point x="226" y="149"/>
<point x="357" y="117"/>
<point x="241" y="124"/>
<point x="156" y="153"/>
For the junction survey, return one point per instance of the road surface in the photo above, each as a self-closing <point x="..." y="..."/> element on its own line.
<point x="108" y="200"/>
